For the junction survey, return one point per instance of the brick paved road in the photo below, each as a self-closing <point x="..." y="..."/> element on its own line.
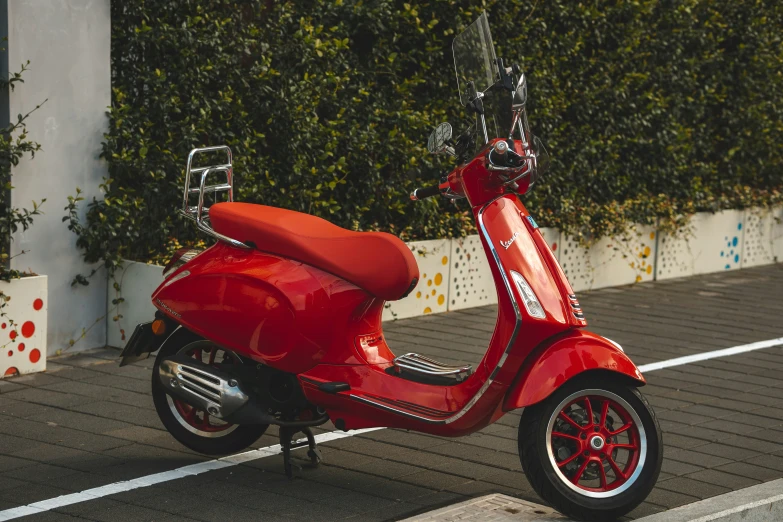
<point x="87" y="423"/>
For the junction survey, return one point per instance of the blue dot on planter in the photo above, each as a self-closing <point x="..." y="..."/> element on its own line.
<point x="739" y="226"/>
<point x="736" y="258"/>
<point x="734" y="241"/>
<point x="727" y="267"/>
<point x="721" y="253"/>
<point x="728" y="244"/>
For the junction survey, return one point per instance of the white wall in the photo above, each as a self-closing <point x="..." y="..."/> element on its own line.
<point x="68" y="45"/>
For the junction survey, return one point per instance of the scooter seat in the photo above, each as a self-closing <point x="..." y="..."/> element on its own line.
<point x="379" y="263"/>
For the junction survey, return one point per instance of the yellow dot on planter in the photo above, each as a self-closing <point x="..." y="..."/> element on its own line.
<point x="427" y="296"/>
<point x="429" y="282"/>
<point x="445" y="260"/>
<point x="438" y="278"/>
<point x="646" y="251"/>
<point x="638" y="278"/>
<point x="652" y="235"/>
<point x="649" y="269"/>
<point x="428" y="310"/>
<point x="418" y="295"/>
<point x="441" y="299"/>
<point x="424" y="276"/>
<point x="433" y="291"/>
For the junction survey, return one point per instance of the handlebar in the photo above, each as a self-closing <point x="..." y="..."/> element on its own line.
<point x="423" y="193"/>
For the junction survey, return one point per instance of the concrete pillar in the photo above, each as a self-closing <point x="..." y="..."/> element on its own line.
<point x="68" y="45"/>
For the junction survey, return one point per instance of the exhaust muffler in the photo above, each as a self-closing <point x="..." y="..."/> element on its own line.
<point x="202" y="386"/>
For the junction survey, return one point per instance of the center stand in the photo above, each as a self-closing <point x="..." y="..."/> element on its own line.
<point x="287" y="444"/>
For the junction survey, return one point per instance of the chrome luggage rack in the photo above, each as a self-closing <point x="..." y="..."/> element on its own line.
<point x="199" y="213"/>
<point x="424" y="365"/>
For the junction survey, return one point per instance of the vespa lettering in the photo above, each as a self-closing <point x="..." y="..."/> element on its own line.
<point x="165" y="307"/>
<point x="506" y="244"/>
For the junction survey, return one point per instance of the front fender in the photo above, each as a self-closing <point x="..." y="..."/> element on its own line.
<point x="564" y="358"/>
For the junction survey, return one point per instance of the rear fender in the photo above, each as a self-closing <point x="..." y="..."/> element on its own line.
<point x="562" y="359"/>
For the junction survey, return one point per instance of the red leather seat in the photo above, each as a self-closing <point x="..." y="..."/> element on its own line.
<point x="375" y="261"/>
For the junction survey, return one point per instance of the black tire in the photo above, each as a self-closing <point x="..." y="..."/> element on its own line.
<point x="236" y="440"/>
<point x="551" y="485"/>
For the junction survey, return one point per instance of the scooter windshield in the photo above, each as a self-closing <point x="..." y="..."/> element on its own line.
<point x="477" y="70"/>
<point x="474" y="59"/>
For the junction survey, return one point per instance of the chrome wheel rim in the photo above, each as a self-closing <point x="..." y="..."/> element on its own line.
<point x="595" y="445"/>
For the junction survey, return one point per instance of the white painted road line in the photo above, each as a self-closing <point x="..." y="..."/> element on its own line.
<point x="233" y="460"/>
<point x="679" y="361"/>
<point x="157" y="478"/>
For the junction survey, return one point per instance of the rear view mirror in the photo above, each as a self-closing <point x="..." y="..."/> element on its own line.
<point x="439" y="139"/>
<point x="520" y="94"/>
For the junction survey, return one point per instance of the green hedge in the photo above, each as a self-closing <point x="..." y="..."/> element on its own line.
<point x="650" y="109"/>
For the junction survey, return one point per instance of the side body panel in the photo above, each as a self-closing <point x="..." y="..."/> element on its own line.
<point x="281" y="312"/>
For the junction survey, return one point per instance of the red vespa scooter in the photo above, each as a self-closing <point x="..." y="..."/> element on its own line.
<point x="279" y="322"/>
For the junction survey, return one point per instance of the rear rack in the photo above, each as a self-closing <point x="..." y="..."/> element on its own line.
<point x="424" y="365"/>
<point x="199" y="213"/>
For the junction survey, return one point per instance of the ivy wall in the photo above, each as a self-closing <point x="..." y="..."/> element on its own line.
<point x="649" y="109"/>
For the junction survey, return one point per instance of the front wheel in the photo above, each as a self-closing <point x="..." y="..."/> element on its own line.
<point x="593" y="449"/>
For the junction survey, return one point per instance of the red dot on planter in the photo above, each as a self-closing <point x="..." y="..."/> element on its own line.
<point x="554" y="247"/>
<point x="20" y="347"/>
<point x="4" y="325"/>
<point x="10" y="352"/>
<point x="38" y="304"/>
<point x="12" y="335"/>
<point x="35" y="355"/>
<point x="11" y="371"/>
<point x="28" y="329"/>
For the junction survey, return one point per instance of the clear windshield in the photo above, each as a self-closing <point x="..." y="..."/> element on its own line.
<point x="475" y="61"/>
<point x="474" y="58"/>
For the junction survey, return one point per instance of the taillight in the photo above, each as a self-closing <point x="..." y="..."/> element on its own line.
<point x="180" y="257"/>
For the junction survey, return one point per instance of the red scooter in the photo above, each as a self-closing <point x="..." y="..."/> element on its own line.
<point x="279" y="322"/>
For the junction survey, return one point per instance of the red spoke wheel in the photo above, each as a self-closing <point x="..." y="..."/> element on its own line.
<point x="194" y="427"/>
<point x="592" y="449"/>
<point x="596" y="443"/>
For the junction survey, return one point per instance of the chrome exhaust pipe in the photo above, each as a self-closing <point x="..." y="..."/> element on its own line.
<point x="201" y="385"/>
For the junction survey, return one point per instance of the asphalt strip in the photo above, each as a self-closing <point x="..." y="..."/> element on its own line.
<point x="234" y="460"/>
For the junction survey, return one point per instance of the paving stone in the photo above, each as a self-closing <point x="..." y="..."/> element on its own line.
<point x="693" y="487"/>
<point x="746" y="469"/>
<point x="723" y="478"/>
<point x="730" y="452"/>
<point x="692" y="457"/>
<point x="669" y="499"/>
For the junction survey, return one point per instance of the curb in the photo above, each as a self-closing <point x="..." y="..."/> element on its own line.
<point x="759" y="503"/>
<point x="762" y="502"/>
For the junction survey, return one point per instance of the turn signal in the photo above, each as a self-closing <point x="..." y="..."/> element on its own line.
<point x="158" y="327"/>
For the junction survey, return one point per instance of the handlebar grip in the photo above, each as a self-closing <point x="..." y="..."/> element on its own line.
<point x="423" y="193"/>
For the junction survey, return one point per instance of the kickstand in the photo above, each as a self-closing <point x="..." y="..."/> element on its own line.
<point x="287" y="444"/>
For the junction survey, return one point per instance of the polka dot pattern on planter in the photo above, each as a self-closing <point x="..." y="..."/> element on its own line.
<point x="23" y="327"/>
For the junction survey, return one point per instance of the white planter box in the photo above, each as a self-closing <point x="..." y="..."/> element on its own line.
<point x="137" y="282"/>
<point x="777" y="234"/>
<point x="611" y="261"/>
<point x="23" y="326"/>
<point x="714" y="244"/>
<point x="432" y="290"/>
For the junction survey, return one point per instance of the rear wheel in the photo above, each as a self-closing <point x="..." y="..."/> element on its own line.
<point x="592" y="449"/>
<point x="193" y="427"/>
